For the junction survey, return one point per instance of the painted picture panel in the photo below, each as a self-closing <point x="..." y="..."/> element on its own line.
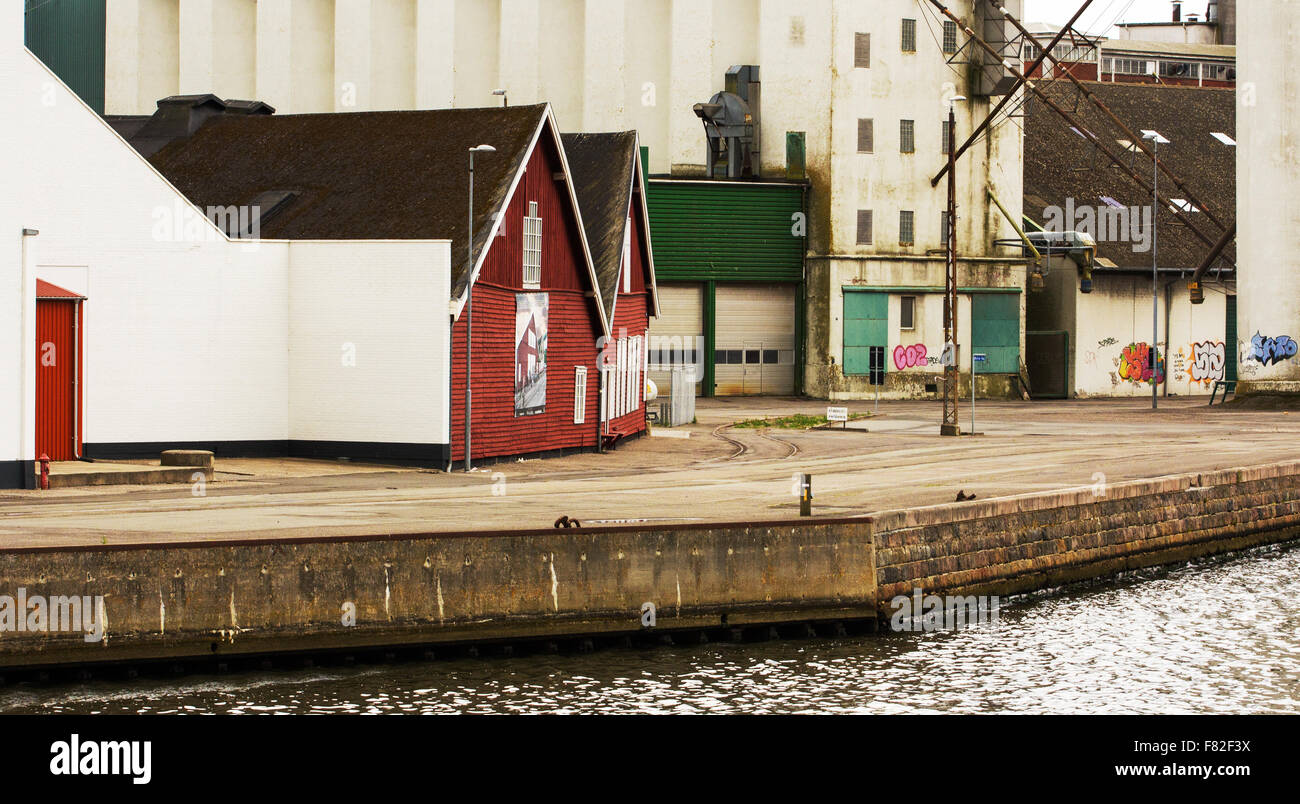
<point x="531" y="311"/>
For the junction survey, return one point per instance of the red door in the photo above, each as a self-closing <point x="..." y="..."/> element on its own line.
<point x="58" y="370"/>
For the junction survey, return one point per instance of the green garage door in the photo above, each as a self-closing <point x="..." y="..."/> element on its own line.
<point x="866" y="324"/>
<point x="995" y="331"/>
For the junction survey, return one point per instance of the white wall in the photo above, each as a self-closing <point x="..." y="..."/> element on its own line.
<point x="368" y="341"/>
<point x="1268" y="178"/>
<point x="1118" y="314"/>
<point x="180" y="323"/>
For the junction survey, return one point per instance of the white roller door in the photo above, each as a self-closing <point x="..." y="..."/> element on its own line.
<point x="677" y="335"/>
<point x="755" y="340"/>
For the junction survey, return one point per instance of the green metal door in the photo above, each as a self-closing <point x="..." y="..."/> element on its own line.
<point x="866" y="324"/>
<point x="1231" y="348"/>
<point x="995" y="331"/>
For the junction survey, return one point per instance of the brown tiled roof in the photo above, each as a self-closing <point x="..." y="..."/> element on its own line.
<point x="1060" y="164"/>
<point x="360" y="176"/>
<point x="603" y="166"/>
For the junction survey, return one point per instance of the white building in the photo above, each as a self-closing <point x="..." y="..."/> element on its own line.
<point x="194" y="331"/>
<point x="863" y="86"/>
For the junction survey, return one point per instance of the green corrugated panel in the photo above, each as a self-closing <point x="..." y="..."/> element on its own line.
<point x="727" y="232"/>
<point x="995" y="331"/>
<point x="68" y="35"/>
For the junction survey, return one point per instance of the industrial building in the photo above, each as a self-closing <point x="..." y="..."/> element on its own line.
<point x="776" y="264"/>
<point x="1089" y="330"/>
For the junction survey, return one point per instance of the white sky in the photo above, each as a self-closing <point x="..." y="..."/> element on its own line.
<point x="1103" y="14"/>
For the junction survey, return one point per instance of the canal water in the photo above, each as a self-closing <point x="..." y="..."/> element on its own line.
<point x="1210" y="637"/>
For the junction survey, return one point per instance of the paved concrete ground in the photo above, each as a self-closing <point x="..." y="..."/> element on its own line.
<point x="894" y="460"/>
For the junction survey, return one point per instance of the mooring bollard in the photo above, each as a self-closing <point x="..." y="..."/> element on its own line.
<point x="805" y="496"/>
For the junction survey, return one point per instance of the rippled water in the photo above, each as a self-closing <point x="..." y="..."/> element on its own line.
<point x="1209" y="637"/>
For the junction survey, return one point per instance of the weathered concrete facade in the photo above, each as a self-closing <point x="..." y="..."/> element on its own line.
<point x="1110" y="330"/>
<point x="1268" y="205"/>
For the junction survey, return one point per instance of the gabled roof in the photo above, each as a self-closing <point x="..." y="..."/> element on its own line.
<point x="46" y="290"/>
<point x="606" y="172"/>
<point x="1061" y="165"/>
<point x="366" y="176"/>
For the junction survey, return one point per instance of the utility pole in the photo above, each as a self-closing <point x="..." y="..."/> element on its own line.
<point x="951" y="352"/>
<point x="469" y="304"/>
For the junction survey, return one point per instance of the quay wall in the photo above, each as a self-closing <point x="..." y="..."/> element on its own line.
<point x="229" y="598"/>
<point x="208" y="599"/>
<point x="1012" y="545"/>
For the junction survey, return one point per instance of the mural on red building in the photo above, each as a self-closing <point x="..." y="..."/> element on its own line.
<point x="530" y="353"/>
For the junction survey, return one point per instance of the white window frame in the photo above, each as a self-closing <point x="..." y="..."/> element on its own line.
<point x="580" y="395"/>
<point x="532" y="248"/>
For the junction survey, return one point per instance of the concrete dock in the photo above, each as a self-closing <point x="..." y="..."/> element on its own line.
<point x="895" y="460"/>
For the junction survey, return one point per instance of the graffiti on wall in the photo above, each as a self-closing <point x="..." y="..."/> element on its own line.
<point x="1208" y="361"/>
<point x="1135" y="364"/>
<point x="906" y="357"/>
<point x="1270" y="351"/>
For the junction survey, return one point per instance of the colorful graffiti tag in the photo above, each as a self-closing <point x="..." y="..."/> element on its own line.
<point x="906" y="357"/>
<point x="1208" y="361"/>
<point x="1135" y="364"/>
<point x="1271" y="350"/>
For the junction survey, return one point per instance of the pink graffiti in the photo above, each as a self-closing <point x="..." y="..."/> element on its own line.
<point x="909" y="356"/>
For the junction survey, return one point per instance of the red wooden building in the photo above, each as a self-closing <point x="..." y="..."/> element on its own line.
<point x="610" y="182"/>
<point x="562" y="274"/>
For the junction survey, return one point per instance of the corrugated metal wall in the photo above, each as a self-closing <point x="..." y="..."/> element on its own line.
<point x="57" y="363"/>
<point x="726" y="231"/>
<point x="68" y="35"/>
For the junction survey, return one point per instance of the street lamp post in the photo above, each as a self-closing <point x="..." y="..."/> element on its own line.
<point x="952" y="368"/>
<point x="1156" y="141"/>
<point x="469" y="302"/>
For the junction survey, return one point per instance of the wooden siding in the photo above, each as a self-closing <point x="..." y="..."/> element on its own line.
<point x="572" y="331"/>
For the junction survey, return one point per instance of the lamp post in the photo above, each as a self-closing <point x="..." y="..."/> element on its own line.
<point x="952" y="368"/>
<point x="26" y="449"/>
<point x="1156" y="141"/>
<point x="469" y="301"/>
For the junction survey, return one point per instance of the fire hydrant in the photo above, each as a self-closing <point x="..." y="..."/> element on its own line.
<point x="45" y="471"/>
